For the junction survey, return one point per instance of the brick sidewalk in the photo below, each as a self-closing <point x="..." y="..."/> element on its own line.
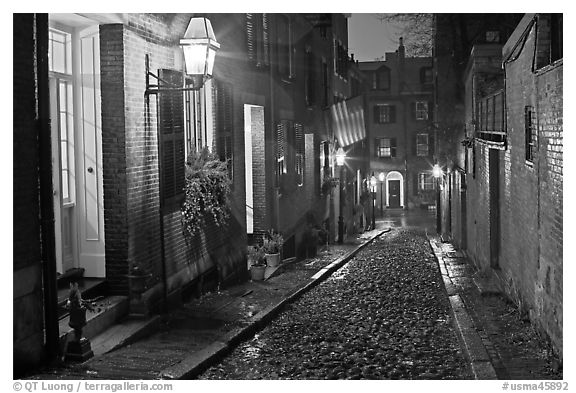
<point x="194" y="335"/>
<point x="514" y="348"/>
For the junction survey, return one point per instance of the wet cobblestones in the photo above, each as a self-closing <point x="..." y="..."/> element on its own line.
<point x="384" y="315"/>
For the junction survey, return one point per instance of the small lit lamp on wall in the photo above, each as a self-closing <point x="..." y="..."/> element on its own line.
<point x="373" y="189"/>
<point x="199" y="46"/>
<point x="340" y="159"/>
<point x="437" y="173"/>
<point x="381" y="178"/>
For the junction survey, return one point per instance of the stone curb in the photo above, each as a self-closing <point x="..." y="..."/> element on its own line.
<point x="196" y="363"/>
<point x="470" y="340"/>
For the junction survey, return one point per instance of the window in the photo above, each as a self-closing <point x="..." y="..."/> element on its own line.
<point x="290" y="150"/>
<point x="285" y="47"/>
<point x="425" y="182"/>
<point x="385" y="147"/>
<point x="199" y="126"/>
<point x="257" y="39"/>
<point x="340" y="60"/>
<point x="310" y="82"/>
<point x="384" y="113"/>
<point x="381" y="79"/>
<point x="426" y="75"/>
<point x="60" y="67"/>
<point x="556" y="38"/>
<point x="299" y="152"/>
<point x="224" y="104"/>
<point x="421" y="145"/>
<point x="421" y="110"/>
<point x="530" y="132"/>
<point x="325" y="83"/>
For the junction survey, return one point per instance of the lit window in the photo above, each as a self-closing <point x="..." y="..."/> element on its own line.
<point x="425" y="182"/>
<point x="385" y="147"/>
<point x="529" y="132"/>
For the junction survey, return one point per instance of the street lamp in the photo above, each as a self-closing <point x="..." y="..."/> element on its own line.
<point x="437" y="173"/>
<point x="381" y="178"/>
<point x="373" y="189"/>
<point x="199" y="46"/>
<point x="340" y="158"/>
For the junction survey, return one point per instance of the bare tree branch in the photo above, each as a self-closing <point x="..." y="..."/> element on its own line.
<point x="415" y="29"/>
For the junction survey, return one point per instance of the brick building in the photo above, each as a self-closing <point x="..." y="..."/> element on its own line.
<point x="398" y="100"/>
<point x="510" y="216"/>
<point x="105" y="193"/>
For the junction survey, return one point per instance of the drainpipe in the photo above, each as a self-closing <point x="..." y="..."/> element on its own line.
<point x="48" y="238"/>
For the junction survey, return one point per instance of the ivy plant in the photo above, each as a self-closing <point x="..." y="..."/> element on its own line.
<point x="207" y="191"/>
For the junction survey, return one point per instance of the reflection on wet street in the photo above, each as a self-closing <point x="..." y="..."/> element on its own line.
<point x="396" y="218"/>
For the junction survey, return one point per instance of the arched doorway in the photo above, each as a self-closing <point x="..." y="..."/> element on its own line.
<point x="394" y="190"/>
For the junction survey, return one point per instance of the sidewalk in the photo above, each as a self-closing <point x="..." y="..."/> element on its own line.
<point x="193" y="336"/>
<point x="498" y="342"/>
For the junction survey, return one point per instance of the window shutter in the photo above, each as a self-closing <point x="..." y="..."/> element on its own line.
<point x="251" y="37"/>
<point x="265" y="41"/>
<point x="393" y="147"/>
<point x="225" y="124"/>
<point x="376" y="113"/>
<point x="431" y="145"/>
<point x="299" y="163"/>
<point x="393" y="114"/>
<point x="414" y="145"/>
<point x="376" y="146"/>
<point x="171" y="143"/>
<point x="430" y="110"/>
<point x="413" y="110"/>
<point x="416" y="178"/>
<point x="281" y="140"/>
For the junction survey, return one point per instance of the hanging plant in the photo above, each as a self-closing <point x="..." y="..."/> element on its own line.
<point x="206" y="192"/>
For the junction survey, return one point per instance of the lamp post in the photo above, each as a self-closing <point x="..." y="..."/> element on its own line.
<point x="437" y="173"/>
<point x="373" y="189"/>
<point x="381" y="178"/>
<point x="340" y="158"/>
<point x="199" y="46"/>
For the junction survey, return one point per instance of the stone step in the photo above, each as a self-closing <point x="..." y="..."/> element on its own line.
<point x="125" y="332"/>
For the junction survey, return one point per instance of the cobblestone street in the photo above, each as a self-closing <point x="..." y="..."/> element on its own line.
<point x="383" y="315"/>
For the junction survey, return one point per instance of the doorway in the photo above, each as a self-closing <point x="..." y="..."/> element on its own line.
<point x="253" y="137"/>
<point x="76" y="133"/>
<point x="394" y="190"/>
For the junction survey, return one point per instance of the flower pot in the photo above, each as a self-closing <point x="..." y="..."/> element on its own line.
<point x="138" y="283"/>
<point x="257" y="272"/>
<point x="273" y="260"/>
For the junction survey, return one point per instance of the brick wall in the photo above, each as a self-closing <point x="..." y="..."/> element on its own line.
<point x="131" y="179"/>
<point x="548" y="288"/>
<point x="530" y="193"/>
<point x="28" y="335"/>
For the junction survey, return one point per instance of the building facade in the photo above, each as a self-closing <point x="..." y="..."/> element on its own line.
<point x="107" y="184"/>
<point x="398" y="98"/>
<point x="505" y="205"/>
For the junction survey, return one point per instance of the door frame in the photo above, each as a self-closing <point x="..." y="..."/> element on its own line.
<point x="394" y="175"/>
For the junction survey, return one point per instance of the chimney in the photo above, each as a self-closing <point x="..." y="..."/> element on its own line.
<point x="401" y="49"/>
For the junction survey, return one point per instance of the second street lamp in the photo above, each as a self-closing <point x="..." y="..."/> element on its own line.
<point x="381" y="178"/>
<point x="373" y="189"/>
<point x="437" y="173"/>
<point x="340" y="158"/>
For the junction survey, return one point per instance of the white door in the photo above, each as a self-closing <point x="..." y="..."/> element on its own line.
<point x="77" y="149"/>
<point x="90" y="207"/>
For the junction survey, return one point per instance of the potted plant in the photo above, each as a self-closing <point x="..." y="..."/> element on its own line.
<point x="257" y="262"/>
<point x="138" y="277"/>
<point x="272" y="245"/>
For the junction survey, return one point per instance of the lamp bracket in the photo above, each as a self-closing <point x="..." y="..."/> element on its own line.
<point x="193" y="83"/>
